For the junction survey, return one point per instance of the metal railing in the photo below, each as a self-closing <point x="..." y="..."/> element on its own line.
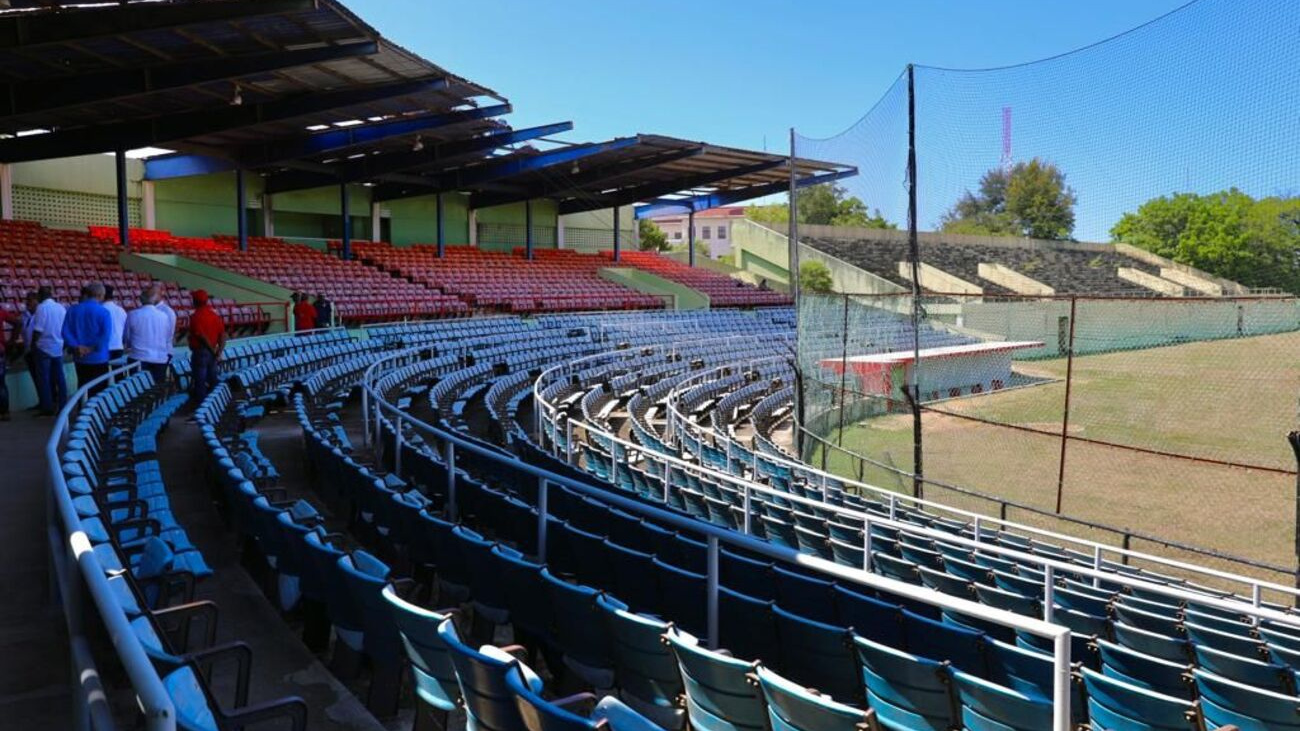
<point x="76" y="573"/>
<point x="715" y="536"/>
<point x="1254" y="588"/>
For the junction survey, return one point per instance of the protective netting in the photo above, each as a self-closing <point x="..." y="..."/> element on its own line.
<point x="1106" y="241"/>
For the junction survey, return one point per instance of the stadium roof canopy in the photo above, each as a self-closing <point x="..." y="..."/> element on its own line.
<point x="306" y="94"/>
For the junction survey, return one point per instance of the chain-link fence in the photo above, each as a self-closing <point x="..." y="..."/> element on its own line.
<point x="1067" y="299"/>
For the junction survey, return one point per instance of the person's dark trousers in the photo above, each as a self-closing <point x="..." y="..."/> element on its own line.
<point x="30" y="359"/>
<point x="51" y="384"/>
<point x="203" y="367"/>
<point x="87" y="372"/>
<point x="157" y="370"/>
<point x="115" y="355"/>
<point x="4" y="388"/>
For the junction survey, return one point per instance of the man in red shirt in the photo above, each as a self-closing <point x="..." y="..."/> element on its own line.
<point x="207" y="341"/>
<point x="304" y="313"/>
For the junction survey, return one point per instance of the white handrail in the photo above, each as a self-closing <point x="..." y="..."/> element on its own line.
<point x="71" y="545"/>
<point x="677" y="420"/>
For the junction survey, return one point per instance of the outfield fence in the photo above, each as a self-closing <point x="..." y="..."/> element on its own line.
<point x="1160" y="421"/>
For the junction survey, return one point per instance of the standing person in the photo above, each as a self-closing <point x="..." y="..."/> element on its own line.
<point x="115" y="346"/>
<point x="207" y="341"/>
<point x="159" y="295"/>
<point x="20" y="341"/>
<point x="87" y="328"/>
<point x="47" y="349"/>
<point x="148" y="336"/>
<point x="8" y="348"/>
<point x="324" y="312"/>
<point x="304" y="315"/>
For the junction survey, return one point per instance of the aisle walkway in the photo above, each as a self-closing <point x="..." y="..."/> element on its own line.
<point x="34" y="674"/>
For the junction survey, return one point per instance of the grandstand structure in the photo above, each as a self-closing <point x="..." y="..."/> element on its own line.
<point x="516" y="486"/>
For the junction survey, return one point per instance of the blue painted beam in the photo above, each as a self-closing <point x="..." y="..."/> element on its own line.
<point x="728" y="197"/>
<point x="24" y="30"/>
<point x="650" y="191"/>
<point x="342" y="139"/>
<point x="27" y="97"/>
<point x="165" y="167"/>
<point x="439" y="157"/>
<point x="160" y="131"/>
<point x="600" y="177"/>
<point x="479" y="176"/>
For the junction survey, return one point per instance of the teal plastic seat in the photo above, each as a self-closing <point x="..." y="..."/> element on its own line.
<point x="197" y="711"/>
<point x="719" y="694"/>
<point x="906" y="691"/>
<point x="1225" y="702"/>
<point x="539" y="714"/>
<point x="1114" y="705"/>
<point x="481" y="675"/>
<point x="791" y="707"/>
<point x="1246" y="670"/>
<point x="645" y="671"/>
<point x="987" y="706"/>
<point x="1145" y="671"/>
<point x="432" y="670"/>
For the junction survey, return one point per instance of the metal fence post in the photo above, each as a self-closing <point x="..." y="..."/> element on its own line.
<point x="365" y="415"/>
<point x="397" y="446"/>
<point x="1065" y="415"/>
<point x="449" y="456"/>
<point x="1096" y="565"/>
<point x="866" y="544"/>
<point x="1049" y="593"/>
<point x="543" y="513"/>
<point x="1294" y="439"/>
<point x="713" y="592"/>
<point x="747" y="509"/>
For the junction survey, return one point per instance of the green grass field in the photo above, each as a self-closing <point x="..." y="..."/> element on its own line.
<point x="1229" y="400"/>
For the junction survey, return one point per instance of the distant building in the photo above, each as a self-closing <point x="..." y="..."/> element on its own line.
<point x="712" y="229"/>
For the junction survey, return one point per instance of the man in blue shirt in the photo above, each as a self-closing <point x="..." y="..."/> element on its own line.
<point x="87" y="329"/>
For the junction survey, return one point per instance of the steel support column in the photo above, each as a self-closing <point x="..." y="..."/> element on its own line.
<point x="528" y="229"/>
<point x="241" y="209"/>
<point x="123" y="211"/>
<point x="345" y="206"/>
<point x="618" y="236"/>
<point x="690" y="238"/>
<point x="442" y="227"/>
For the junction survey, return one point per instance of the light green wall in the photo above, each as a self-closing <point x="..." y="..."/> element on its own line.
<point x="84" y="174"/>
<point x="203" y="205"/>
<point x="545" y="215"/>
<point x="415" y="220"/>
<point x="682" y="297"/>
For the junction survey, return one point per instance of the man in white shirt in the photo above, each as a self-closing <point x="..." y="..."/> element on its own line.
<point x="160" y="298"/>
<point x="118" y="316"/>
<point x="148" y="336"/>
<point x="47" y="345"/>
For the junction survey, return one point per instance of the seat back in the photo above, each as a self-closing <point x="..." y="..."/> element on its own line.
<point x="1144" y="671"/>
<point x="1225" y="702"/>
<point x="644" y="669"/>
<point x="489" y="700"/>
<point x="431" y="665"/>
<point x="791" y="707"/>
<point x="819" y="655"/>
<point x="539" y="714"/>
<point x="1114" y="705"/>
<point x="719" y="694"/>
<point x="905" y="690"/>
<point x="987" y="706"/>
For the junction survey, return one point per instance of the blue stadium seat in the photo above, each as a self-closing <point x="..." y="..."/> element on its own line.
<point x="986" y="706"/>
<point x="818" y="655"/>
<point x="719" y="693"/>
<point x="645" y="671"/>
<point x="791" y="707"/>
<point x="907" y="692"/>
<point x="539" y="714"/>
<point x="436" y="691"/>
<point x="1146" y="671"/>
<point x="1246" y="670"/>
<point x="1225" y="702"/>
<point x="1115" y="705"/>
<point x="580" y="631"/>
<point x="481" y="675"/>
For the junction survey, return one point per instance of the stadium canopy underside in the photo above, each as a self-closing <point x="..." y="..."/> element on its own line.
<point x="306" y="95"/>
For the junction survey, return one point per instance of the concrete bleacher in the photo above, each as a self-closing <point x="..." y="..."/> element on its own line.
<point x="1065" y="269"/>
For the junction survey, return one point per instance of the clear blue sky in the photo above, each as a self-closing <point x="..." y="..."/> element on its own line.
<point x="728" y="71"/>
<point x="1202" y="100"/>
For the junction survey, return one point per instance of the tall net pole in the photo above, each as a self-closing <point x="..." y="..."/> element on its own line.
<point x="793" y="254"/>
<point x="914" y="257"/>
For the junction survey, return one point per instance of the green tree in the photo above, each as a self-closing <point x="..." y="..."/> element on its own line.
<point x="826" y="204"/>
<point x="1228" y="234"/>
<point x="815" y="276"/>
<point x="652" y="238"/>
<point x="1031" y="199"/>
